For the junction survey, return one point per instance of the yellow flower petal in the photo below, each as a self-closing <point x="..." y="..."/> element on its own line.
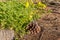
<point x="27" y="4"/>
<point x="30" y="16"/>
<point x="41" y="5"/>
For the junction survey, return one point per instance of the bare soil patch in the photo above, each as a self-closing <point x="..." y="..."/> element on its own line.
<point x="45" y="28"/>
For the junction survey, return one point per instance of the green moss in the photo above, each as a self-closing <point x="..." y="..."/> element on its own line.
<point x="15" y="16"/>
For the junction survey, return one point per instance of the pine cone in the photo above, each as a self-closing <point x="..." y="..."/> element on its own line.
<point x="33" y="28"/>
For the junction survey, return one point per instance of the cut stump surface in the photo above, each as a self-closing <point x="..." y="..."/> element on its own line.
<point x="6" y="35"/>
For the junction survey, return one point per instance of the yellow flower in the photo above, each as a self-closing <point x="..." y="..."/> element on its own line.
<point x="27" y="4"/>
<point x="32" y="13"/>
<point x="41" y="5"/>
<point x="30" y="16"/>
<point x="44" y="6"/>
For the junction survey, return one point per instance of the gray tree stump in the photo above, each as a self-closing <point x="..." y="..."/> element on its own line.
<point x="6" y="35"/>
